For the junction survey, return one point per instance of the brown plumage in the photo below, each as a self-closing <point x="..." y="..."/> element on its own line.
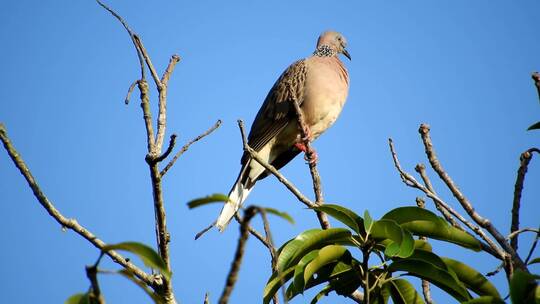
<point x="320" y="84"/>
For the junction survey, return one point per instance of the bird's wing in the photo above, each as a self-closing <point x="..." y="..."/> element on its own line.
<point x="277" y="108"/>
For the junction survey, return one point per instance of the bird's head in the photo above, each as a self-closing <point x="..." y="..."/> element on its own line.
<point x="335" y="41"/>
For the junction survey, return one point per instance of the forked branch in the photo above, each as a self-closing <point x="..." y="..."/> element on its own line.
<point x="68" y="223"/>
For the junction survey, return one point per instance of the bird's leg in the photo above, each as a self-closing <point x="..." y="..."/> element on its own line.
<point x="307" y="132"/>
<point x="310" y="153"/>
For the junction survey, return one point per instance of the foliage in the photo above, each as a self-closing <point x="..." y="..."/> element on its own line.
<point x="328" y="256"/>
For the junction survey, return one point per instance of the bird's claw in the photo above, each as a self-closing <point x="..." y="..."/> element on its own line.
<point x="311" y="156"/>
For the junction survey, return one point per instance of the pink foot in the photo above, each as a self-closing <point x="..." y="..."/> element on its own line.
<point x="310" y="154"/>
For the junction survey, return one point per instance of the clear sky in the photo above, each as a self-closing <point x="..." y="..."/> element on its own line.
<point x="462" y="66"/>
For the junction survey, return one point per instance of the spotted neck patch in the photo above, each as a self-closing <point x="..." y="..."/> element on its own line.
<point x="324" y="51"/>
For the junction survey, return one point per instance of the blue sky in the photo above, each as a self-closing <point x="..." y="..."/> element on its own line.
<point x="461" y="66"/>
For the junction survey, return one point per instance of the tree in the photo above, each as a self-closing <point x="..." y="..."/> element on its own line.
<point x="382" y="235"/>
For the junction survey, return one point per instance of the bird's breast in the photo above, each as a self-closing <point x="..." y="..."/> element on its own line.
<point x="327" y="87"/>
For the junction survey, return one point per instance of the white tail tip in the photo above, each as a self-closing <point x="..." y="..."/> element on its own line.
<point x="237" y="196"/>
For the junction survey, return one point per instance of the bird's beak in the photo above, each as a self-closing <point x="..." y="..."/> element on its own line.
<point x="344" y="52"/>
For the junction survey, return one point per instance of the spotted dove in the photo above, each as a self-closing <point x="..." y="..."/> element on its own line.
<point x="320" y="84"/>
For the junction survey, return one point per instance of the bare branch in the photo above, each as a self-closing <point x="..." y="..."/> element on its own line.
<point x="254" y="155"/>
<point x="410" y="181"/>
<point x="170" y="68"/>
<point x="147" y="115"/>
<point x="62" y="220"/>
<point x="465" y="203"/>
<point x="162" y="235"/>
<point x="253" y="232"/>
<point x="131" y="35"/>
<point x="421" y="169"/>
<point x="186" y="146"/>
<point x="238" y="256"/>
<point x="524" y="160"/>
<point x="172" y="143"/>
<point x="312" y="162"/>
<point x="149" y="64"/>
<point x="162" y="96"/>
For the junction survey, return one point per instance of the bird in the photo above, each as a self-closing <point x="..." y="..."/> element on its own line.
<point x="320" y="85"/>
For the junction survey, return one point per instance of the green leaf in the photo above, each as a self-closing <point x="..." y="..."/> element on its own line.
<point x="148" y="255"/>
<point x="403" y="292"/>
<point x="307" y="241"/>
<point x="283" y="215"/>
<point x="430" y="257"/>
<point x="275" y="282"/>
<point x="341" y="274"/>
<point x="298" y="280"/>
<point x="472" y="279"/>
<point x="523" y="287"/>
<point x="443" y="232"/>
<point x="535" y="126"/>
<point x="129" y="275"/>
<point x="402" y="241"/>
<point x="79" y="298"/>
<point x="534" y="261"/>
<point x="325" y="256"/>
<point x="423" y="222"/>
<point x="439" y="277"/>
<point x="485" y="300"/>
<point x="344" y="215"/>
<point x="409" y="214"/>
<point x="368" y="222"/>
<point x="214" y="198"/>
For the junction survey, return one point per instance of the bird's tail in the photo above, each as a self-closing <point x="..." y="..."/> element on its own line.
<point x="237" y="196"/>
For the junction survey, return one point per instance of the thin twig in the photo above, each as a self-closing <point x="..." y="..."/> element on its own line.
<point x="421" y="169"/>
<point x="524" y="160"/>
<point x="465" y="203"/>
<point x="536" y="78"/>
<point x="149" y="64"/>
<point x="426" y="290"/>
<point x="514" y="234"/>
<point x="533" y="247"/>
<point x="410" y="181"/>
<point x="253" y="232"/>
<point x="62" y="220"/>
<point x="494" y="272"/>
<point x="186" y="146"/>
<point x="131" y="35"/>
<point x="130" y="90"/>
<point x="272" y="250"/>
<point x="310" y="156"/>
<point x="249" y="213"/>
<point x="254" y="155"/>
<point x="172" y="143"/>
<point x="265" y="240"/>
<point x="95" y="292"/>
